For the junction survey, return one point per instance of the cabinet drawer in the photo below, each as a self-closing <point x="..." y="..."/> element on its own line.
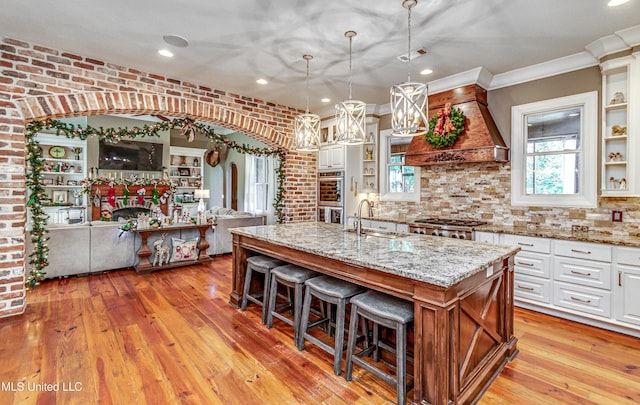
<point x="630" y="256"/>
<point x="533" y="264"/>
<point x="532" y="288"/>
<point x="582" y="272"/>
<point x="581" y="250"/>
<point x="487" y="237"/>
<point x="402" y="228"/>
<point x="528" y="243"/>
<point x="584" y="299"/>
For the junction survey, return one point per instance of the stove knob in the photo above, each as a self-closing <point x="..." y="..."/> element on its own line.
<point x="423" y="231"/>
<point x="462" y="236"/>
<point x="454" y="235"/>
<point x="435" y="233"/>
<point x="416" y="231"/>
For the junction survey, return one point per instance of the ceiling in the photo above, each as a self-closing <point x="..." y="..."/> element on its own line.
<point x="233" y="43"/>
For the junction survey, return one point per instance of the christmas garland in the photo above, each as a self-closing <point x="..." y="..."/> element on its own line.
<point x="38" y="259"/>
<point x="445" y="127"/>
<point x="105" y="181"/>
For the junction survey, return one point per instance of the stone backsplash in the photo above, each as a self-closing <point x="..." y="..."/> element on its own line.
<point x="483" y="191"/>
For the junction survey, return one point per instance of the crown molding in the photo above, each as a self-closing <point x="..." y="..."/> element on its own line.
<point x="479" y="75"/>
<point x="616" y="42"/>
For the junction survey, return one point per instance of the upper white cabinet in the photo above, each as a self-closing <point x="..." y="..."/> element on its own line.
<point x="620" y="116"/>
<point x="331" y="157"/>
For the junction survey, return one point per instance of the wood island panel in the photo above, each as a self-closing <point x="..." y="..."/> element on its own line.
<point x="463" y="333"/>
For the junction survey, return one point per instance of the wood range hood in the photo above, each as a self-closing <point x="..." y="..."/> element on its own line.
<point x="480" y="141"/>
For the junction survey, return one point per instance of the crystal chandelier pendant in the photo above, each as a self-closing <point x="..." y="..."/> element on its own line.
<point x="408" y="104"/>
<point x="350" y="114"/>
<point x="307" y="126"/>
<point x="307" y="130"/>
<point x="409" y="100"/>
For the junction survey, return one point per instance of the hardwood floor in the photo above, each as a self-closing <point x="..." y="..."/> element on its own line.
<point x="171" y="337"/>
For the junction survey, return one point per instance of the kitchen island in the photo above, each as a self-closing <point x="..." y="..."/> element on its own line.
<point x="462" y="293"/>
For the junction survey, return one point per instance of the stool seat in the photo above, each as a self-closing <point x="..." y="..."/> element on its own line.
<point x="334" y="287"/>
<point x="292" y="273"/>
<point x="262" y="265"/>
<point x="385" y="306"/>
<point x="265" y="262"/>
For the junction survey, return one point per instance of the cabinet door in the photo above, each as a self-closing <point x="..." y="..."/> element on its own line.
<point x="336" y="157"/>
<point x="627" y="296"/>
<point x="323" y="158"/>
<point x="486" y="237"/>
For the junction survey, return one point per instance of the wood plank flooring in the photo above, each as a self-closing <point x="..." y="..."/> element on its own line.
<point x="170" y="337"/>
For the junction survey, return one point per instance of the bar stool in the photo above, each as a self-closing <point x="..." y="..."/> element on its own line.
<point x="263" y="265"/>
<point x="294" y="278"/>
<point x="382" y="310"/>
<point x="331" y="291"/>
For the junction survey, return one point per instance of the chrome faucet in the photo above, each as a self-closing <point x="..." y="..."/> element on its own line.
<point x="359" y="218"/>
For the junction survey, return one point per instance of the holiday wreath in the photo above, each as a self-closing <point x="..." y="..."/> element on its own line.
<point x="445" y="127"/>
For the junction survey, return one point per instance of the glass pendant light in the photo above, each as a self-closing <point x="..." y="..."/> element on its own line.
<point x="307" y="126"/>
<point x="409" y="100"/>
<point x="350" y="114"/>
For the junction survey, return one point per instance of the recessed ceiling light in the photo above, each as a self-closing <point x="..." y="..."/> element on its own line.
<point x="176" y="41"/>
<point x="325" y="100"/>
<point x="426" y="71"/>
<point x="165" y="52"/>
<point x="261" y="81"/>
<point x="613" y="3"/>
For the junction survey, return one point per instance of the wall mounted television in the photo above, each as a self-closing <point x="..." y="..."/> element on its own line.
<point x="130" y="155"/>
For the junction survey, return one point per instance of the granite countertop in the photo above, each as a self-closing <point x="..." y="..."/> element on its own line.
<point x="592" y="237"/>
<point x="435" y="260"/>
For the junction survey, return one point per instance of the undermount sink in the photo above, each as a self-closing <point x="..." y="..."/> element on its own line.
<point x="375" y="233"/>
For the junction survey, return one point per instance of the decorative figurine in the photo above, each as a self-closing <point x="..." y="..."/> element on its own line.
<point x="618" y="98"/>
<point x="618" y="130"/>
<point x="623" y="184"/>
<point x="162" y="251"/>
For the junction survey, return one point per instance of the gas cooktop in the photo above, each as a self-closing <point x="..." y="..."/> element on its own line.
<point x="449" y="221"/>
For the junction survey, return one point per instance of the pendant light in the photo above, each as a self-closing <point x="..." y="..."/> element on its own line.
<point x="307" y="126"/>
<point x="350" y="114"/>
<point x="409" y="100"/>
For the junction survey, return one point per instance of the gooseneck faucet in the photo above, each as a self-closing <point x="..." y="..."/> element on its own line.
<point x="359" y="219"/>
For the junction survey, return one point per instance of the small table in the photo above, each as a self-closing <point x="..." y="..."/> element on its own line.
<point x="145" y="265"/>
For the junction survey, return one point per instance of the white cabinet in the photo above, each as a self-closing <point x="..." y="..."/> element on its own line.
<point x="186" y="170"/>
<point x="331" y="157"/>
<point x="620" y="123"/>
<point x="627" y="285"/>
<point x="593" y="283"/>
<point x="486" y="237"/>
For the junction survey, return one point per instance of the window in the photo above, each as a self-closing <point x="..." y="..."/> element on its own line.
<point x="554" y="152"/>
<point x="398" y="182"/>
<point x="259" y="181"/>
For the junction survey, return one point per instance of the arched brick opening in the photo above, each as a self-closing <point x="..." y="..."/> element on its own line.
<point x="96" y="103"/>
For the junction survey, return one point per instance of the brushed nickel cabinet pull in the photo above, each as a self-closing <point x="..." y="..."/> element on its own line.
<point x="580" y="300"/>
<point x="580" y="273"/>
<point x="619" y="279"/>
<point x="525" y="244"/>
<point x="520" y="287"/>
<point x="586" y="252"/>
<point x="525" y="264"/>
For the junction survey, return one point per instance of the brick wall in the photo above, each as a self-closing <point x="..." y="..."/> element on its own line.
<point x="37" y="82"/>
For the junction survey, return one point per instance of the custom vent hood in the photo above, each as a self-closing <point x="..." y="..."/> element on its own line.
<point x="480" y="142"/>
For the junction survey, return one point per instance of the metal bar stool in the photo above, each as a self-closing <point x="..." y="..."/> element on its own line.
<point x="382" y="310"/>
<point x="263" y="265"/>
<point x="331" y="291"/>
<point x="294" y="278"/>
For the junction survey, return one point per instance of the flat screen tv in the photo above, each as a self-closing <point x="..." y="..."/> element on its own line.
<point x="130" y="155"/>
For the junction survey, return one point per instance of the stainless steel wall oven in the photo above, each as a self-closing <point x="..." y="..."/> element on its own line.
<point x="331" y="196"/>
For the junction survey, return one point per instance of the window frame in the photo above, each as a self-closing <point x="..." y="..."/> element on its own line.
<point x="385" y="194"/>
<point x="587" y="197"/>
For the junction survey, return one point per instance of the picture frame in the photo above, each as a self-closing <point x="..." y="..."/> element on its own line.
<point x="184" y="171"/>
<point x="59" y="196"/>
<point x="47" y="181"/>
<point x="72" y="183"/>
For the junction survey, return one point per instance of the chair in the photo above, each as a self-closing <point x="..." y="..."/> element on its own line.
<point x="331" y="291"/>
<point x="293" y="277"/>
<point x="382" y="310"/>
<point x="263" y="265"/>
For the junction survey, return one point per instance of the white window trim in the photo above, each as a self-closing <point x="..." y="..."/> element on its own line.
<point x="385" y="195"/>
<point x="588" y="198"/>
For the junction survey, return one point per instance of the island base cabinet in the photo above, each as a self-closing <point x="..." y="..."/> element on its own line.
<point x="471" y="337"/>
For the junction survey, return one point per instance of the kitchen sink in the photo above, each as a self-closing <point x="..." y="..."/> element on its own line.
<point x="376" y="233"/>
